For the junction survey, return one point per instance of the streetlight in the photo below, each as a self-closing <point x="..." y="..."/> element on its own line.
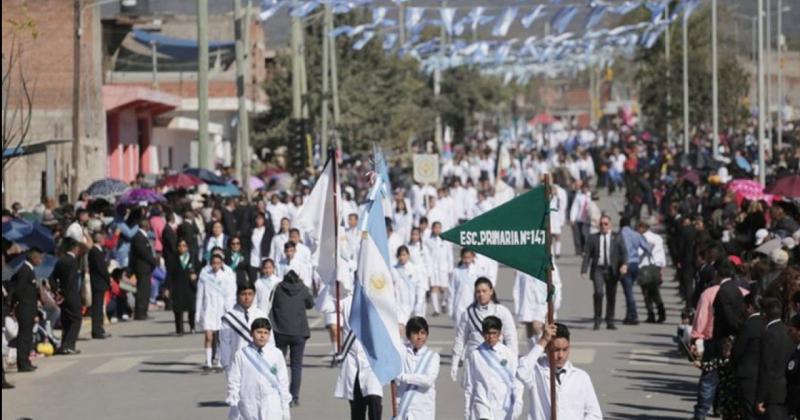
<point x="79" y="8"/>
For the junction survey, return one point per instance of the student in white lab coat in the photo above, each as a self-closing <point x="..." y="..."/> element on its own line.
<point x="462" y="285"/>
<point x="576" y="399"/>
<point x="469" y="333"/>
<point x="492" y="391"/>
<point x="258" y="384"/>
<point x="440" y="260"/>
<point x="530" y="302"/>
<point x="280" y="238"/>
<point x="356" y="382"/>
<point x="558" y="215"/>
<point x="293" y="262"/>
<point x="418" y="256"/>
<point x="216" y="295"/>
<point x="265" y="285"/>
<point x="416" y="386"/>
<point x="410" y="290"/>
<point x="236" y="324"/>
<point x="393" y="241"/>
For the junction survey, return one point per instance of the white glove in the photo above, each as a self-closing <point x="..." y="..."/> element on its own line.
<point x="454" y="370"/>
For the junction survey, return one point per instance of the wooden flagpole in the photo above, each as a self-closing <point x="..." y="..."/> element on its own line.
<point x="547" y="194"/>
<point x="332" y="161"/>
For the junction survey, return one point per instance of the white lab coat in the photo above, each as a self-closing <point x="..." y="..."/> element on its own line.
<point x="355" y="362"/>
<point x="462" y="289"/>
<point x="410" y="289"/>
<point x="402" y="223"/>
<point x="558" y="209"/>
<point x="530" y="297"/>
<point x="276" y="247"/>
<point x="393" y="242"/>
<point x="253" y="394"/>
<point x="575" y="396"/>
<point x="469" y="335"/>
<point x="485" y="391"/>
<point x="440" y="261"/>
<point x="301" y="267"/>
<point x="488" y="266"/>
<point x="423" y="402"/>
<point x="230" y="340"/>
<point x="216" y="295"/>
<point x="264" y="288"/>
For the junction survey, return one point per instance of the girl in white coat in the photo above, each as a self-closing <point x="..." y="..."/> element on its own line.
<point x="418" y="256"/>
<point x="417" y="384"/>
<point x="216" y="295"/>
<point x="410" y="289"/>
<point x="530" y="302"/>
<point x="257" y="380"/>
<point x="265" y="285"/>
<point x="462" y="285"/>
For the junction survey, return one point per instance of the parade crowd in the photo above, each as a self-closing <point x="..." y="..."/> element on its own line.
<point x="243" y="272"/>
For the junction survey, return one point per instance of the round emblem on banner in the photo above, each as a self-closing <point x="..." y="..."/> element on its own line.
<point x="377" y="281"/>
<point x="791" y="365"/>
<point x="427" y="168"/>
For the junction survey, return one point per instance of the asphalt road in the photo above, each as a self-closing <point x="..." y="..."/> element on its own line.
<point x="144" y="372"/>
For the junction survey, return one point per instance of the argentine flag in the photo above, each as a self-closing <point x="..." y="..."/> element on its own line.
<point x="373" y="315"/>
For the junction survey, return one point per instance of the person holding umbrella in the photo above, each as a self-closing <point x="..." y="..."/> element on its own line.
<point x="24" y="295"/>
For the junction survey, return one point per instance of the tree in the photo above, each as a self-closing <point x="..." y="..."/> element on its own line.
<point x="17" y="103"/>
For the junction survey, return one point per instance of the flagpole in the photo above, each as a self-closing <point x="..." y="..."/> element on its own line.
<point x="547" y="194"/>
<point x="332" y="161"/>
<point x="394" y="398"/>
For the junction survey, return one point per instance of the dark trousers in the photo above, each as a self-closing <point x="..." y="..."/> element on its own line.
<point x="296" y="346"/>
<point x="360" y="403"/>
<point x="628" y="280"/>
<point x="580" y="236"/>
<point x="98" y="298"/>
<point x="687" y="285"/>
<point x="776" y="412"/>
<point x="142" y="294"/>
<point x="605" y="283"/>
<point x="25" y="317"/>
<point x="179" y="321"/>
<point x="70" y="325"/>
<point x="652" y="297"/>
<point x="747" y="396"/>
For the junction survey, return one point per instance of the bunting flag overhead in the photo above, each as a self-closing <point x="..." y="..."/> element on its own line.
<point x="514" y="234"/>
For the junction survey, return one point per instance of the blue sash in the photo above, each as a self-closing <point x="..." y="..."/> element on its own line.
<point x="413" y="390"/>
<point x="501" y="371"/>
<point x="216" y="286"/>
<point x="263" y="368"/>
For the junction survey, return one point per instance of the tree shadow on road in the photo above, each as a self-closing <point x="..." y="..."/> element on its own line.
<point x="659" y="383"/>
<point x="212" y="404"/>
<point x="153" y="335"/>
<point x="642" y="409"/>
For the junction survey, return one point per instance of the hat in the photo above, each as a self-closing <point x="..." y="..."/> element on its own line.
<point x="789" y="243"/>
<point x="735" y="260"/>
<point x="779" y="257"/>
<point x="761" y="235"/>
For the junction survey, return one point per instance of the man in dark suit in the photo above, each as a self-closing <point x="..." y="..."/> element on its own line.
<point x="142" y="262"/>
<point x="776" y="350"/>
<point x="229" y="225"/>
<point x="189" y="232"/>
<point x="100" y="282"/>
<point x="745" y="355"/>
<point x="65" y="282"/>
<point x="24" y="296"/>
<point x="605" y="253"/>
<point x="793" y="370"/>
<point x="729" y="309"/>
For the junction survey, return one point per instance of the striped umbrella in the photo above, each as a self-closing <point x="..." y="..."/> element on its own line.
<point x="106" y="188"/>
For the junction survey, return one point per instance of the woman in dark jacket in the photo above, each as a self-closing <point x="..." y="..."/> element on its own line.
<point x="256" y="243"/>
<point x="290" y="324"/>
<point x="182" y="285"/>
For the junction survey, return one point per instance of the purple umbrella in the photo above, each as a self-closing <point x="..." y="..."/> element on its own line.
<point x="256" y="183"/>
<point x="139" y="195"/>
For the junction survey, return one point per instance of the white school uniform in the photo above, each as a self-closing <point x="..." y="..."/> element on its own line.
<point x="488" y="266"/>
<point x="558" y="209"/>
<point x="276" y="247"/>
<point x="299" y="266"/>
<point x="410" y="289"/>
<point x="235" y="332"/>
<point x="355" y="363"/>
<point x="264" y="288"/>
<point x="258" y="384"/>
<point x="394" y="241"/>
<point x="462" y="289"/>
<point x="416" y="386"/>
<point x="276" y="213"/>
<point x="492" y="391"/>
<point x="530" y="297"/>
<point x="575" y="394"/>
<point x="440" y="261"/>
<point x="216" y="295"/>
<point x="402" y="223"/>
<point x="468" y="331"/>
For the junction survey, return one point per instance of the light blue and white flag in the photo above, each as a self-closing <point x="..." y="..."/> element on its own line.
<point x="595" y="16"/>
<point x="475" y="17"/>
<point x="378" y="14"/>
<point x="413" y="16"/>
<point x="305" y="9"/>
<point x="501" y="27"/>
<point x="268" y="9"/>
<point x="625" y="7"/>
<point x="562" y="18"/>
<point x="531" y="17"/>
<point x="389" y="40"/>
<point x="448" y="15"/>
<point x="373" y="315"/>
<point x="368" y="35"/>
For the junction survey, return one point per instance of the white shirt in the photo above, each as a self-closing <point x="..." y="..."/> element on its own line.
<point x="355" y="364"/>
<point x="264" y="288"/>
<point x="576" y="399"/>
<point x="252" y="392"/>
<point x="462" y="289"/>
<point x="605" y="246"/>
<point x="75" y="231"/>
<point x="657" y="256"/>
<point x="410" y="288"/>
<point x="440" y="260"/>
<point x="276" y="247"/>
<point x="579" y="212"/>
<point x="276" y="213"/>
<point x="255" y="246"/>
<point x="485" y="391"/>
<point x="422" y="404"/>
<point x="216" y="295"/>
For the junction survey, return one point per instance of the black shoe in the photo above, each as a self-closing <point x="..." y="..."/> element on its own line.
<point x="7" y="385"/>
<point x="179" y="334"/>
<point x="67" y="352"/>
<point x="651" y="319"/>
<point x="630" y="322"/>
<point x="611" y="326"/>
<point x="295" y="402"/>
<point x="597" y="325"/>
<point x="101" y="337"/>
<point x="29" y="368"/>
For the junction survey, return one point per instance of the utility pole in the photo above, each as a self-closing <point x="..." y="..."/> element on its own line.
<point x="401" y="23"/>
<point x="686" y="86"/>
<point x="714" y="82"/>
<point x="246" y="80"/>
<point x="154" y="63"/>
<point x="326" y="28"/>
<point x="669" y="77"/>
<point x="202" y="85"/>
<point x="780" y="75"/>
<point x="761" y="102"/>
<point x="768" y="74"/>
<point x="76" y="101"/>
<point x="334" y="89"/>
<point x="243" y="128"/>
<point x="437" y="88"/>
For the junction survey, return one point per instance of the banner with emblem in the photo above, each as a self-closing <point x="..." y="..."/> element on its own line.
<point x="426" y="168"/>
<point x="514" y="234"/>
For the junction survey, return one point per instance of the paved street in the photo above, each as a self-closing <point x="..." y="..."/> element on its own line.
<point x="144" y="372"/>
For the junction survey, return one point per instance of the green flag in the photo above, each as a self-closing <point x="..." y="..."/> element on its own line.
<point x="513" y="234"/>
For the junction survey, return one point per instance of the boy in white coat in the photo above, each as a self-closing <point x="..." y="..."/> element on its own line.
<point x="417" y="384"/>
<point x="492" y="389"/>
<point x="258" y="384"/>
<point x="216" y="295"/>
<point x="236" y="324"/>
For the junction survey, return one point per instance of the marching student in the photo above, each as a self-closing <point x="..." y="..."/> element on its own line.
<point x="576" y="396"/>
<point x="236" y="323"/>
<point x="530" y="303"/>
<point x="492" y="391"/>
<point x="292" y="261"/>
<point x="265" y="285"/>
<point x="440" y="258"/>
<point x="462" y="287"/>
<point x="469" y="331"/>
<point x="216" y="294"/>
<point x="417" y="384"/>
<point x="410" y="287"/>
<point x="258" y="384"/>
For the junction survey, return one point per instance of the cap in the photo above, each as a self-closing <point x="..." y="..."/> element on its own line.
<point x="761" y="236"/>
<point x="788" y="243"/>
<point x="735" y="260"/>
<point x="779" y="257"/>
